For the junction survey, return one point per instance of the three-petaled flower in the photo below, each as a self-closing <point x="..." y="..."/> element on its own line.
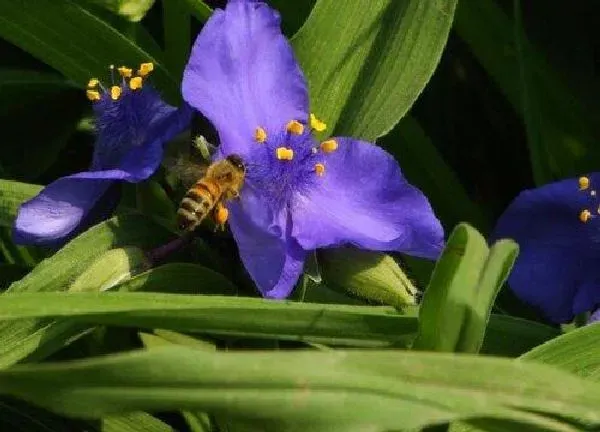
<point x="299" y="194"/>
<point x="132" y="123"/>
<point x="557" y="227"/>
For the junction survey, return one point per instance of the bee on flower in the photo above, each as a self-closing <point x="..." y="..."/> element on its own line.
<point x="299" y="193"/>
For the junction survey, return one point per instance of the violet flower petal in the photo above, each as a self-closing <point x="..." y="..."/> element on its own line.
<point x="273" y="258"/>
<point x="242" y="74"/>
<point x="59" y="210"/>
<point x="557" y="267"/>
<point x="363" y="199"/>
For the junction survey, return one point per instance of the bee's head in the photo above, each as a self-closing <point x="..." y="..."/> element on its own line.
<point x="236" y="161"/>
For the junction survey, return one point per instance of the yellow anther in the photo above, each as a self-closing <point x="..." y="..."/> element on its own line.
<point x="115" y="92"/>
<point x="295" y="127"/>
<point x="135" y="83"/>
<point x="283" y="153"/>
<point x="260" y="135"/>
<point x="585" y="216"/>
<point x="125" y="72"/>
<point x="92" y="95"/>
<point x="221" y="216"/>
<point x="93" y="82"/>
<point x="329" y="146"/>
<point x="145" y="69"/>
<point x="584" y="183"/>
<point x="320" y="169"/>
<point x="317" y="124"/>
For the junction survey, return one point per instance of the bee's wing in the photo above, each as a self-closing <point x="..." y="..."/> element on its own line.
<point x="185" y="170"/>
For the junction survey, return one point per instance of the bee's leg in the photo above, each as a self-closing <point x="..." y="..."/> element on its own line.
<point x="220" y="216"/>
<point x="232" y="194"/>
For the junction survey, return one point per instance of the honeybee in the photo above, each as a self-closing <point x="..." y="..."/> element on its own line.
<point x="213" y="184"/>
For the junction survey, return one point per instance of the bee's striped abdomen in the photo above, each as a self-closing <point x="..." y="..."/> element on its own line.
<point x="196" y="204"/>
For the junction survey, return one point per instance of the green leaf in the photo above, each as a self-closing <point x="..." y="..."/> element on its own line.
<point x="511" y="336"/>
<point x="199" y="9"/>
<point x="19" y="416"/>
<point x="30" y="98"/>
<point x="373" y="276"/>
<point x="451" y="290"/>
<point x="12" y="195"/>
<point x="562" y="142"/>
<point x="496" y="269"/>
<point x="111" y="268"/>
<point x="177" y="34"/>
<point x="364" y="326"/>
<point x="293" y="14"/>
<point x="217" y="315"/>
<point x="22" y="339"/>
<point x="577" y="352"/>
<point x="367" y="65"/>
<point x="379" y="389"/>
<point x="458" y="302"/>
<point x="132" y="10"/>
<point x="75" y="42"/>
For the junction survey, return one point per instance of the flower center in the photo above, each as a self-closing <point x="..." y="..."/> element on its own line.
<point x="96" y="91"/>
<point x="288" y="161"/>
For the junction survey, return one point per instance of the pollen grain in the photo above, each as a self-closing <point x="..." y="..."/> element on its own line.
<point x="283" y="153"/>
<point x="135" y="83"/>
<point x="92" y="95"/>
<point x="329" y="146"/>
<point x="260" y="135"/>
<point x="115" y="92"/>
<point x="317" y="124"/>
<point x="125" y="72"/>
<point x="221" y="216"/>
<point x="295" y="127"/>
<point x="146" y="68"/>
<point x="320" y="169"/>
<point x="585" y="216"/>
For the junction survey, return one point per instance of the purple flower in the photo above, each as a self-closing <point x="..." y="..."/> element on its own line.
<point x="299" y="194"/>
<point x="132" y="125"/>
<point x="557" y="227"/>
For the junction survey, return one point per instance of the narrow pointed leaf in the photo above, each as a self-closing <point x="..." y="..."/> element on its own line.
<point x="381" y="390"/>
<point x="366" y="64"/>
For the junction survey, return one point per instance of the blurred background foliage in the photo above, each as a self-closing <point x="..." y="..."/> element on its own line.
<point x="513" y="103"/>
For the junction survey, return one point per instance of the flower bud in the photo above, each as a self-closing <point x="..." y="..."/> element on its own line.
<point x="373" y="276"/>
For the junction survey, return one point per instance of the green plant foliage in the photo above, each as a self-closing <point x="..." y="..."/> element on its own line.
<point x="458" y="300"/>
<point x="83" y="48"/>
<point x="381" y="394"/>
<point x="366" y="66"/>
<point x="129" y="327"/>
